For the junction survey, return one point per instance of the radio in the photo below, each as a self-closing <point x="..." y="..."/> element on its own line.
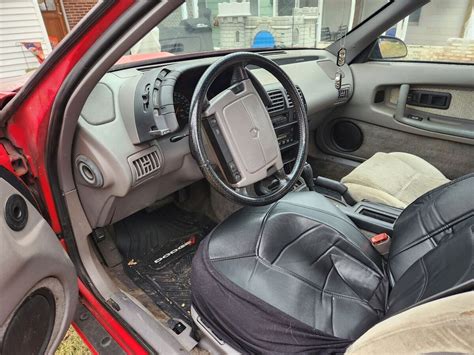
<point x="280" y="120"/>
<point x="285" y="137"/>
<point x="286" y="129"/>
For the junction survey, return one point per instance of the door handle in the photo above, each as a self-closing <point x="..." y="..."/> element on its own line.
<point x="402" y="102"/>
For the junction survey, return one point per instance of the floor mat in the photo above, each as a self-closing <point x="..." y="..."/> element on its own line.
<point x="158" y="248"/>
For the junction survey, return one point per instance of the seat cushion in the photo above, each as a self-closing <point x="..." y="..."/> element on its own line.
<point x="296" y="276"/>
<point x="395" y="179"/>
<point x="441" y="326"/>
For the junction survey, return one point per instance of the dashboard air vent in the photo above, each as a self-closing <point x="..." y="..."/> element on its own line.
<point x="278" y="101"/>
<point x="145" y="163"/>
<point x="290" y="101"/>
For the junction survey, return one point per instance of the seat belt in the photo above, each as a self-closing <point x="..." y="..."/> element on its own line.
<point x="381" y="242"/>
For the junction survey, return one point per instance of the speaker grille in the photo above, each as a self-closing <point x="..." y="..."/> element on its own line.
<point x="30" y="328"/>
<point x="346" y="136"/>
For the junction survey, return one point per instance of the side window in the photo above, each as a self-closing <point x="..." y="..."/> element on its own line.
<point x="441" y="31"/>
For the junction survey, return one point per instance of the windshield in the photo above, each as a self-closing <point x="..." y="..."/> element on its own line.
<point x="212" y="25"/>
<point x="196" y="26"/>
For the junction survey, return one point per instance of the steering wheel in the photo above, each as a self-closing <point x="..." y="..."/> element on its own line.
<point x="240" y="131"/>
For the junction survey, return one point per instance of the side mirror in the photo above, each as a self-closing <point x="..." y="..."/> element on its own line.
<point x="388" y="48"/>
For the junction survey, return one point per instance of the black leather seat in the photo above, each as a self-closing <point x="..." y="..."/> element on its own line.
<point x="299" y="276"/>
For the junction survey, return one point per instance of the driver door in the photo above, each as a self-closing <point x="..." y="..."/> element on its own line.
<point x="38" y="282"/>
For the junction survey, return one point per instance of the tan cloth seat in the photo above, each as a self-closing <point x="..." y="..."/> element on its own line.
<point x="395" y="179"/>
<point x="442" y="326"/>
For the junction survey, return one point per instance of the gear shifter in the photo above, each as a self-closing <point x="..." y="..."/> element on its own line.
<point x="307" y="175"/>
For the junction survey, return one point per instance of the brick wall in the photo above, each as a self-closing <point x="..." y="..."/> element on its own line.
<point x="77" y="9"/>
<point x="456" y="50"/>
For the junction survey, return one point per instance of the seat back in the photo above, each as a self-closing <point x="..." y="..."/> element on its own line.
<point x="432" y="245"/>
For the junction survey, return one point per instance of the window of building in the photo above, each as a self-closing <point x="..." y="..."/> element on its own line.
<point x="47" y="5"/>
<point x="285" y="7"/>
<point x="308" y="3"/>
<point x="414" y="18"/>
<point x="296" y="36"/>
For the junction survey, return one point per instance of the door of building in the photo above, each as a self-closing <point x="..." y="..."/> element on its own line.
<point x="53" y="18"/>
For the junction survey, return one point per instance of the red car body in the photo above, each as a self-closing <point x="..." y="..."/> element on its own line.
<point x="27" y="106"/>
<point x="27" y="131"/>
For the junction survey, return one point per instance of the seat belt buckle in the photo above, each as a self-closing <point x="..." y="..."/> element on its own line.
<point x="381" y="242"/>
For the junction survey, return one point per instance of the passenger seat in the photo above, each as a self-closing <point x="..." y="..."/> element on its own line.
<point x="394" y="179"/>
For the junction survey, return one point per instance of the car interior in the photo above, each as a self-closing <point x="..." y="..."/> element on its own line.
<point x="229" y="198"/>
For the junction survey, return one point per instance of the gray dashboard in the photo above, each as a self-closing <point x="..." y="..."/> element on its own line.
<point x="118" y="172"/>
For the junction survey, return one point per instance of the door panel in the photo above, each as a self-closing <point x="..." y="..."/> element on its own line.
<point x="373" y="77"/>
<point x="442" y="133"/>
<point x="38" y="283"/>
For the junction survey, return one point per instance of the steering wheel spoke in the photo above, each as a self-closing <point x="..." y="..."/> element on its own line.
<point x="205" y="105"/>
<point x="239" y="73"/>
<point x="245" y="191"/>
<point x="282" y="176"/>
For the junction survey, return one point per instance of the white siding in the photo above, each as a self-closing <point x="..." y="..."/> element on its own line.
<point x="439" y="20"/>
<point x="20" y="21"/>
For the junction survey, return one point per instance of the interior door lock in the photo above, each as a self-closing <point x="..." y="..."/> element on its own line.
<point x="415" y="117"/>
<point x="338" y="80"/>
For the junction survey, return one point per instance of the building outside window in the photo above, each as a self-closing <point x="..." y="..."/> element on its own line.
<point x="430" y="33"/>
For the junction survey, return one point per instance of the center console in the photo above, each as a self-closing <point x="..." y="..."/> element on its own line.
<point x="284" y="122"/>
<point x="369" y="216"/>
<point x="372" y="217"/>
